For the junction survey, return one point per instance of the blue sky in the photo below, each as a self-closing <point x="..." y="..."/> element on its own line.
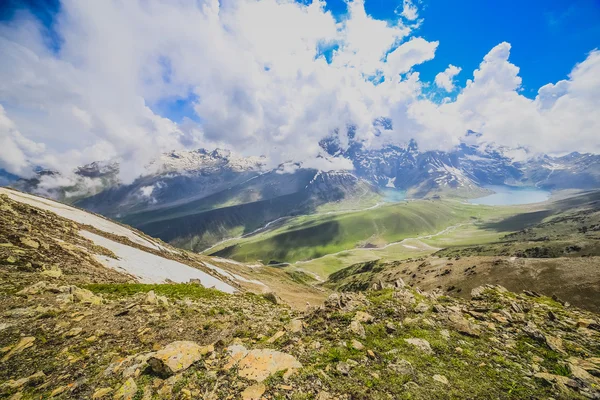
<point x="548" y="37"/>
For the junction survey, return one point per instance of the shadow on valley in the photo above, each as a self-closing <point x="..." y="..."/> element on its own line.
<point x="517" y="222"/>
<point x="279" y="247"/>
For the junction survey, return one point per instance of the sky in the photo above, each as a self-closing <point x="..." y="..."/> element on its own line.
<point x="124" y="80"/>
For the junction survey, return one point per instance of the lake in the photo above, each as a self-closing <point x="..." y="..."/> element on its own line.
<point x="393" y="195"/>
<point x="511" y="195"/>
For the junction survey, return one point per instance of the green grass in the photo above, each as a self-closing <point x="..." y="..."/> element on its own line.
<point x="326" y="265"/>
<point x="177" y="290"/>
<point x="310" y="237"/>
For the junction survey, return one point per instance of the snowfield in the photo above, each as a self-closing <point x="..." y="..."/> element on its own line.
<point x="150" y="268"/>
<point x="143" y="266"/>
<point x="81" y="217"/>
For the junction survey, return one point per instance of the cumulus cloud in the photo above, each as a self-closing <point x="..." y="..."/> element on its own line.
<point x="259" y="81"/>
<point x="409" y="10"/>
<point x="444" y="80"/>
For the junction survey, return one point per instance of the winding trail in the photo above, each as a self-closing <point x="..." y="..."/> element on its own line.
<point x="425" y="246"/>
<point x="266" y="226"/>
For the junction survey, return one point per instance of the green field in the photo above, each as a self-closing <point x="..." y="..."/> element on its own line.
<point x="311" y="237"/>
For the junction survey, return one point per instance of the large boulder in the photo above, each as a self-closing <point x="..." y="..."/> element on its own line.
<point x="259" y="364"/>
<point x="177" y="357"/>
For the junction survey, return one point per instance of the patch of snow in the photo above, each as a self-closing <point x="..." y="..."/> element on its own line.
<point x="150" y="268"/>
<point x="391" y="182"/>
<point x="81" y="217"/>
<point x="231" y="275"/>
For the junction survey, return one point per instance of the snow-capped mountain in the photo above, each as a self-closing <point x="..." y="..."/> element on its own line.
<point x="465" y="170"/>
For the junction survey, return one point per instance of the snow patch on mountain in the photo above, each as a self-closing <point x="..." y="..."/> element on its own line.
<point x="81" y="217"/>
<point x="150" y="268"/>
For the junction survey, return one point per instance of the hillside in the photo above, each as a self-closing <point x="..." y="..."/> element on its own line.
<point x="314" y="236"/>
<point x="84" y="318"/>
<point x="45" y="238"/>
<point x="125" y="342"/>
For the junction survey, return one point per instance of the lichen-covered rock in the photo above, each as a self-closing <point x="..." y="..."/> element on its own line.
<point x="259" y="364"/>
<point x="357" y="328"/>
<point x="127" y="391"/>
<point x="177" y="357"/>
<point x="420" y="344"/>
<point x="362" y="316"/>
<point x="23" y="344"/>
<point x="101" y="393"/>
<point x="254" y="392"/>
<point x="85" y="296"/>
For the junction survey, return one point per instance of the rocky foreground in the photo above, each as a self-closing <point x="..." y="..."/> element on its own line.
<point x="181" y="341"/>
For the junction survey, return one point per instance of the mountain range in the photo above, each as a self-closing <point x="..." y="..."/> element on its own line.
<point x="194" y="199"/>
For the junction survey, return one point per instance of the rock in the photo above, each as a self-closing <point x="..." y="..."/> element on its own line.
<point x="402" y="367"/>
<point x="445" y="334"/>
<point x="399" y="283"/>
<point x="405" y="296"/>
<point x="343" y="368"/>
<point x="582" y="375"/>
<point x="127" y="391"/>
<point x="323" y="395"/>
<point x="23" y="344"/>
<point x="151" y="298"/>
<point x="460" y="324"/>
<point x="52" y="273"/>
<point x="73" y="332"/>
<point x="259" y="364"/>
<point x="29" y="242"/>
<point x="276" y="336"/>
<point x="357" y="328"/>
<point x="550" y="378"/>
<point x="357" y="345"/>
<point x="163" y="301"/>
<point x="476" y="293"/>
<point x="102" y="392"/>
<point x="30" y="380"/>
<point x="371" y="354"/>
<point x="58" y="390"/>
<point x="499" y="318"/>
<point x="440" y="379"/>
<point x="333" y="301"/>
<point x="584" y="322"/>
<point x="176" y="357"/>
<point x="272" y="297"/>
<point x="361" y="316"/>
<point x="422" y="307"/>
<point x="295" y="326"/>
<point x="390" y="327"/>
<point x="516" y="307"/>
<point x="410" y="385"/>
<point x="555" y="344"/>
<point x="36" y="288"/>
<point x="420" y="344"/>
<point x="85" y="296"/>
<point x="254" y="392"/>
<point x="591" y="365"/>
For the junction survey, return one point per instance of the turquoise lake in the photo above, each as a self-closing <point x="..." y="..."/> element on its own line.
<point x="511" y="195"/>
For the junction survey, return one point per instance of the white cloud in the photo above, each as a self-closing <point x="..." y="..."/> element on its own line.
<point x="16" y="151"/>
<point x="414" y="52"/>
<point x="444" y="80"/>
<point x="409" y="10"/>
<point x="261" y="86"/>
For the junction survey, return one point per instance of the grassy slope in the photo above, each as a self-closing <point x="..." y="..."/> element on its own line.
<point x="314" y="236"/>
<point x="567" y="227"/>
